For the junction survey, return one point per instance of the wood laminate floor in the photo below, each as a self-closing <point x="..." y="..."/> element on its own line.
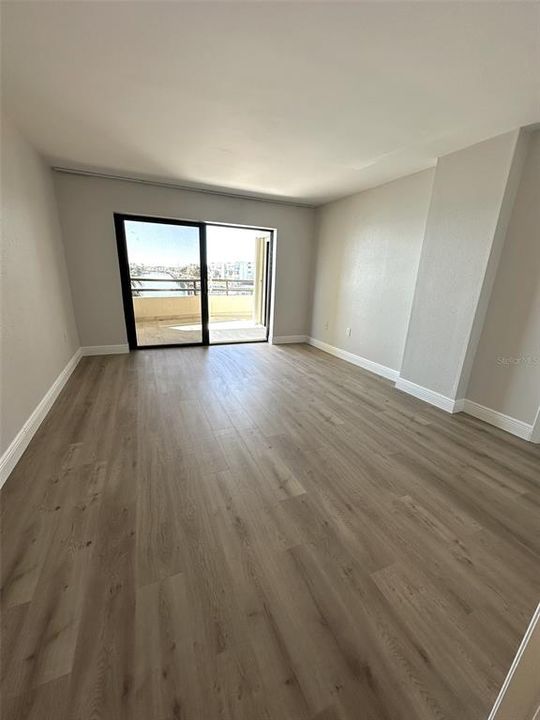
<point x="262" y="533"/>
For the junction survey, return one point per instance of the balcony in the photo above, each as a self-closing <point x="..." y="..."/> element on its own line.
<point x="172" y="315"/>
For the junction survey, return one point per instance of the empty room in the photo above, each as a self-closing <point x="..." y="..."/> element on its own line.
<point x="270" y="360"/>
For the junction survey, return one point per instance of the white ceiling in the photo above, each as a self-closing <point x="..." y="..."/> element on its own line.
<point x="307" y="101"/>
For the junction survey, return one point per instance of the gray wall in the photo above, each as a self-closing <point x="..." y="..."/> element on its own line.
<point x="506" y="371"/>
<point x="369" y="247"/>
<point x="464" y="241"/>
<point x="39" y="335"/>
<point x="464" y="221"/>
<point x="87" y="205"/>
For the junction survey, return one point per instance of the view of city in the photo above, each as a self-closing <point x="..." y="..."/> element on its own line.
<point x="231" y="266"/>
<point x="225" y="278"/>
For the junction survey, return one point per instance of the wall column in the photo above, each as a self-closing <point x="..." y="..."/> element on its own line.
<point x="473" y="195"/>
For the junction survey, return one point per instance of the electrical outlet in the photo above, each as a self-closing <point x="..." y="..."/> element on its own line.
<point x="326" y="325"/>
<point x="348" y="332"/>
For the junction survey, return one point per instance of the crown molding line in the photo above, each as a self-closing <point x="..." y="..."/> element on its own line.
<point x="177" y="186"/>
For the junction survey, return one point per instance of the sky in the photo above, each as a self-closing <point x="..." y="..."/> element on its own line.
<point x="177" y="245"/>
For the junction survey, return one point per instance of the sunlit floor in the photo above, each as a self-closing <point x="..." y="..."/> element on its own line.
<point x="170" y="332"/>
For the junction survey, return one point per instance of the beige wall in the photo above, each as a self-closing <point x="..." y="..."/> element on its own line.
<point x="369" y="246"/>
<point x="39" y="335"/>
<point x="463" y="239"/>
<point x="506" y="370"/>
<point x="86" y="208"/>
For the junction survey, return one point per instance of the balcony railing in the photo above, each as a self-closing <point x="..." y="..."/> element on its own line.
<point x="187" y="287"/>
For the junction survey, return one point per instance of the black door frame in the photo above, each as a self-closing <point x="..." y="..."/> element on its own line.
<point x="125" y="278"/>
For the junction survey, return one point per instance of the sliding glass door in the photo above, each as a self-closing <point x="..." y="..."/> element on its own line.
<point x="162" y="280"/>
<point x="189" y="283"/>
<point x="237" y="260"/>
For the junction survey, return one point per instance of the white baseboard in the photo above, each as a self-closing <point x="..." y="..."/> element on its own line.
<point x="535" y="432"/>
<point x="21" y="441"/>
<point x="500" y="420"/>
<point x="493" y="417"/>
<point x="105" y="349"/>
<point x="522" y="665"/>
<point x="362" y="362"/>
<point x="430" y="396"/>
<point x="286" y="339"/>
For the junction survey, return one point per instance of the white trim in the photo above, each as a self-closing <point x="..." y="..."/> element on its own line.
<point x="270" y="199"/>
<point x="500" y="420"/>
<point x="105" y="349"/>
<point x="350" y="357"/>
<point x="429" y="396"/>
<point x="21" y="441"/>
<point x="459" y="405"/>
<point x="286" y="339"/>
<point x="515" y="663"/>
<point x="493" y="417"/>
<point x="535" y="432"/>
